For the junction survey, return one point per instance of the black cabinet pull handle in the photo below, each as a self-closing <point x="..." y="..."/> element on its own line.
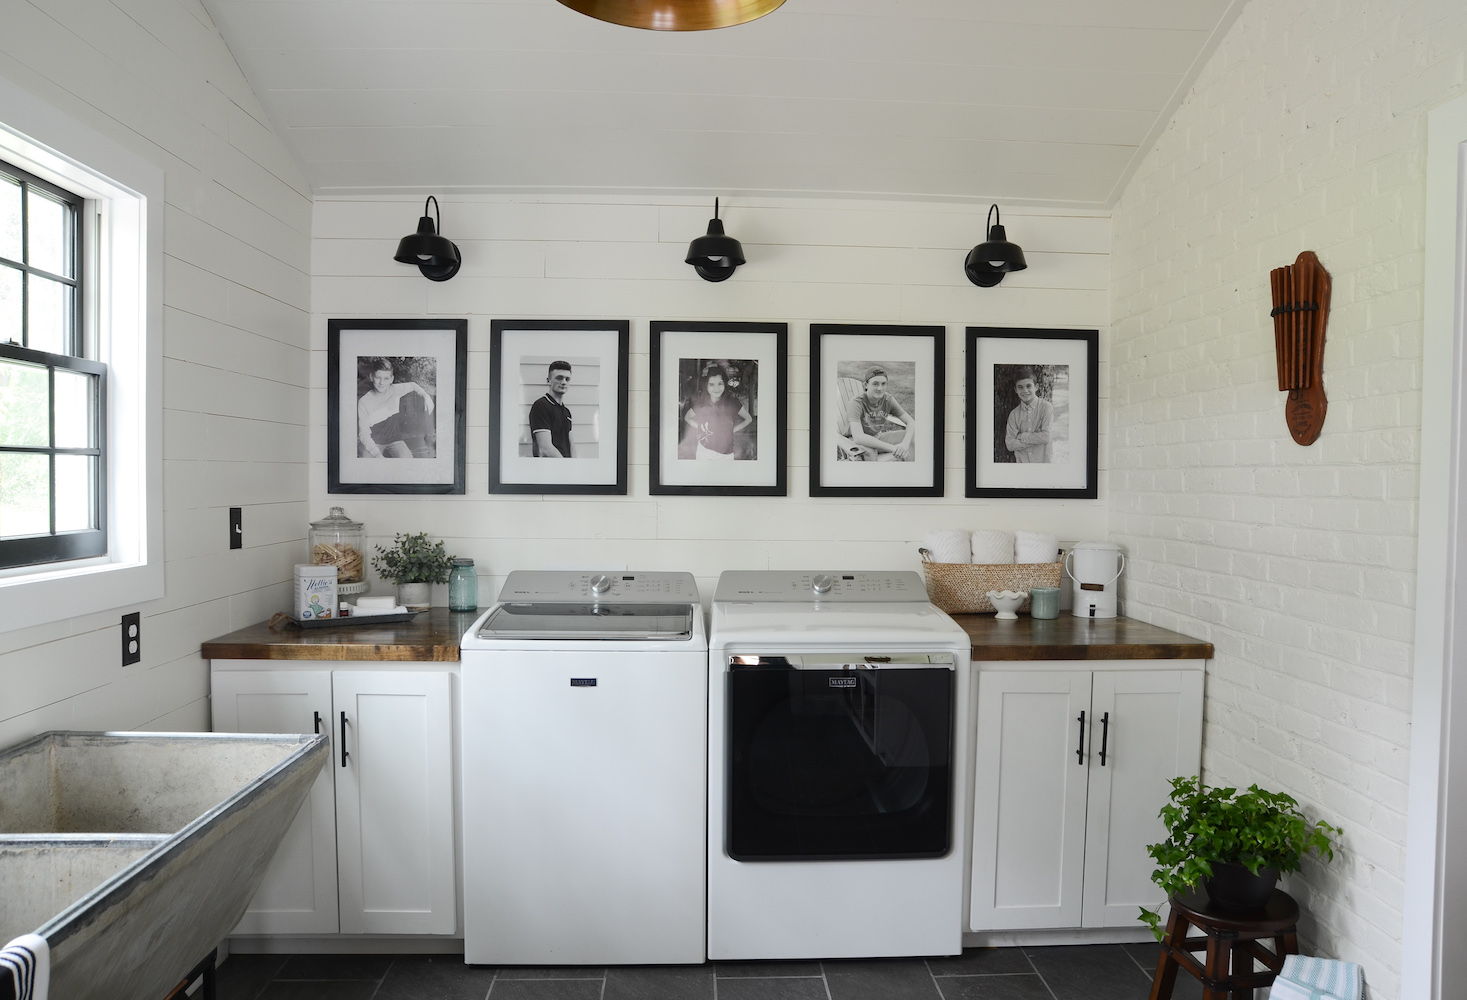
<point x="1104" y="736"/>
<point x="344" y="754"/>
<point x="318" y="722"/>
<point x="1080" y="747"/>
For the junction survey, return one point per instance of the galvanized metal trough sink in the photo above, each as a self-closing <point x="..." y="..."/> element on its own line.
<point x="134" y="854"/>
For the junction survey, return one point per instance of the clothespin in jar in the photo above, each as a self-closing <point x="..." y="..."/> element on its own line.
<point x="1300" y="313"/>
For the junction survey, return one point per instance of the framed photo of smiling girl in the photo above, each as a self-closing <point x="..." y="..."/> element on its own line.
<point x="876" y="410"/>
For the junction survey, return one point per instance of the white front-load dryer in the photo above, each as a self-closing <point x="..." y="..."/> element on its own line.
<point x="837" y="779"/>
<point x="584" y="768"/>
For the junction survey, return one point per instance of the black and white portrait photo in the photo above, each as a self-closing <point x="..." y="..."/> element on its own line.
<point x="717" y="416"/>
<point x="558" y="390"/>
<point x="395" y="413"/>
<point x="396" y="399"/>
<point x="1031" y="415"/>
<point x="877" y="395"/>
<point x="718" y="399"/>
<point x="874" y="405"/>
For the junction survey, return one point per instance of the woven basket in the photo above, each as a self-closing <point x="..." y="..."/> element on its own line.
<point x="962" y="588"/>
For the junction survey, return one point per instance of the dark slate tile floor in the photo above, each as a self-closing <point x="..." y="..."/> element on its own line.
<point x="1071" y="972"/>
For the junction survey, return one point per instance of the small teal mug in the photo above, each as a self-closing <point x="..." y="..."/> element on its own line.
<point x="1044" y="602"/>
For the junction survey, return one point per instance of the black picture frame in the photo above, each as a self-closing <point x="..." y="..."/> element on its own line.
<point x="913" y="358"/>
<point x="417" y="458"/>
<point x="517" y="349"/>
<point x="1059" y="360"/>
<point x="751" y="359"/>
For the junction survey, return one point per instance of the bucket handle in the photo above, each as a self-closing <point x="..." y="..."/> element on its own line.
<point x="1119" y="570"/>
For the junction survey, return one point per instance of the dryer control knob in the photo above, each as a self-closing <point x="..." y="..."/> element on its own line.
<point x="600" y="583"/>
<point x="822" y="583"/>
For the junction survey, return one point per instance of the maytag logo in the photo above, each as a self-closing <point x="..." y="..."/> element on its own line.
<point x="842" y="682"/>
<point x="583" y="682"/>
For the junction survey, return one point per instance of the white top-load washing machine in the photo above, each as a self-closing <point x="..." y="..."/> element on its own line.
<point x="837" y="778"/>
<point x="584" y="764"/>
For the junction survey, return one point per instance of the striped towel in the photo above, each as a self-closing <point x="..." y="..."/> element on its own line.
<point x="1318" y="979"/>
<point x="25" y="969"/>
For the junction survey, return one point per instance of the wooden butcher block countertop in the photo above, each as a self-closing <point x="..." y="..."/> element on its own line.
<point x="1071" y="638"/>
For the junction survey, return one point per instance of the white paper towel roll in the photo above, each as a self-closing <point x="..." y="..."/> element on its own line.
<point x="1035" y="547"/>
<point x="949" y="545"/>
<point x="993" y="547"/>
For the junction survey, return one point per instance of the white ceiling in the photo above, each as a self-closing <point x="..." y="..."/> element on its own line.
<point x="1019" y="101"/>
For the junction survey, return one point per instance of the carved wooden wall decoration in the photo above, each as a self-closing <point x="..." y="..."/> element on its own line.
<point x="1300" y="313"/>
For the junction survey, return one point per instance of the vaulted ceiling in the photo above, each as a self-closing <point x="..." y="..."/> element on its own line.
<point x="1021" y="101"/>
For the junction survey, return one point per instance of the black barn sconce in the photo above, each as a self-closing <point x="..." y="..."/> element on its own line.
<point x="990" y="260"/>
<point x="715" y="256"/>
<point x="435" y="255"/>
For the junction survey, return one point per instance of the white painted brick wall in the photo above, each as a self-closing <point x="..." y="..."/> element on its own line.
<point x="155" y="76"/>
<point x="809" y="261"/>
<point x="1305" y="131"/>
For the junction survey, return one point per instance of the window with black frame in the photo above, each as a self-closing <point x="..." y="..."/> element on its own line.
<point x="52" y="393"/>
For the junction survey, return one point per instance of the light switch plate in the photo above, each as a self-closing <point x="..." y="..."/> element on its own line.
<point x="236" y="527"/>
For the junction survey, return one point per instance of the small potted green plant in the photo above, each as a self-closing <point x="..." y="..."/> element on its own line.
<point x="413" y="563"/>
<point x="1235" y="843"/>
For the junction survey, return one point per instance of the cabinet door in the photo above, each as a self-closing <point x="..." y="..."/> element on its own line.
<point x="298" y="895"/>
<point x="1029" y="799"/>
<point x="394" y="802"/>
<point x="1149" y="724"/>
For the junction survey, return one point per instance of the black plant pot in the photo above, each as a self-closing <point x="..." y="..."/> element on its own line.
<point x="1236" y="889"/>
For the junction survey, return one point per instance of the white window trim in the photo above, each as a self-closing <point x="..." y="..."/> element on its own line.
<point x="124" y="312"/>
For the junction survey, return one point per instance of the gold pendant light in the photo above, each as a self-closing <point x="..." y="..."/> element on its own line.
<point x="674" y="15"/>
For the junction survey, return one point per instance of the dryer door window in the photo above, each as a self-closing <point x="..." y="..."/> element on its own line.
<point x="838" y="764"/>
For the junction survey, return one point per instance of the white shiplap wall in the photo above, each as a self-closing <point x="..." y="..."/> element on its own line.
<point x="622" y="258"/>
<point x="155" y="77"/>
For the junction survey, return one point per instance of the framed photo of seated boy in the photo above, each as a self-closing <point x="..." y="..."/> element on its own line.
<point x="395" y="415"/>
<point x="1033" y="405"/>
<point x="558" y="406"/>
<point x="717" y="415"/>
<point x="876" y="410"/>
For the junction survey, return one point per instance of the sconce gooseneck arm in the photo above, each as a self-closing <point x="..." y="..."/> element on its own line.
<point x="994" y="219"/>
<point x="436" y="213"/>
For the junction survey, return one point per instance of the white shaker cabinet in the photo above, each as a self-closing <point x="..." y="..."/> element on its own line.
<point x="1063" y="810"/>
<point x="373" y="850"/>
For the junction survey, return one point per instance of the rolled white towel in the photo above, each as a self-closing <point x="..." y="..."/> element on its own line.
<point x="27" y="961"/>
<point x="1035" y="547"/>
<point x="949" y="545"/>
<point x="1318" y="979"/>
<point x="993" y="547"/>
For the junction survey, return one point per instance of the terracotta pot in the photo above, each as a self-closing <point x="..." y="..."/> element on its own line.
<point x="1234" y="888"/>
<point x="415" y="596"/>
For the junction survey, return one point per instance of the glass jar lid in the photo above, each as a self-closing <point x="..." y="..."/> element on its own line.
<point x="462" y="561"/>
<point x="336" y="520"/>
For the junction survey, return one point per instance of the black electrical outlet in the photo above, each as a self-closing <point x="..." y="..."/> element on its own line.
<point x="132" y="638"/>
<point x="236" y="527"/>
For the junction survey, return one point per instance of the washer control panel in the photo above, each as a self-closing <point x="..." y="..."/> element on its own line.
<point x="625" y="588"/>
<point x="834" y="587"/>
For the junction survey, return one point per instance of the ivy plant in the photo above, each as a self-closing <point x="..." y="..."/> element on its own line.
<point x="1206" y="825"/>
<point x="413" y="559"/>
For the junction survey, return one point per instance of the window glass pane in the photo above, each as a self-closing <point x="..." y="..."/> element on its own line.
<point x="10" y="218"/>
<point x="10" y="280"/>
<point x="73" y="410"/>
<point x="49" y="312"/>
<point x="47" y="233"/>
<point x="25" y="495"/>
<point x="74" y="492"/>
<point x="24" y="406"/>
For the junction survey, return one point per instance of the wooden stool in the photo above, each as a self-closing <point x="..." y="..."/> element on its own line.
<point x="1231" y="942"/>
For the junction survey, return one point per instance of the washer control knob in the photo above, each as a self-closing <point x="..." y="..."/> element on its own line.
<point x="600" y="583"/>
<point x="822" y="583"/>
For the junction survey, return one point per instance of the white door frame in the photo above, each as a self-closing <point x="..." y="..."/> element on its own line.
<point x="1436" y="879"/>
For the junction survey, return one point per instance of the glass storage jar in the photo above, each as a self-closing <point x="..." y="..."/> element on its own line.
<point x="463" y="586"/>
<point x="337" y="540"/>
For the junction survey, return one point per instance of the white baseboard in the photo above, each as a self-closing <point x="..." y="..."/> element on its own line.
<point x="1072" y="935"/>
<point x="355" y="944"/>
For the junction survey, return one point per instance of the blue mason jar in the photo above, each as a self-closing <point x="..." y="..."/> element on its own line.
<point x="463" y="586"/>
